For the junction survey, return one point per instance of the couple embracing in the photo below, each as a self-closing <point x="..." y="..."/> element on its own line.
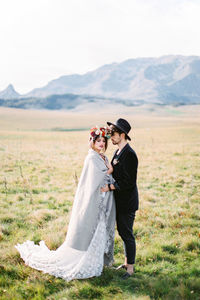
<point x="106" y="192"/>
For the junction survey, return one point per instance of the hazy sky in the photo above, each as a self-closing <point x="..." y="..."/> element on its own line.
<point x="44" y="39"/>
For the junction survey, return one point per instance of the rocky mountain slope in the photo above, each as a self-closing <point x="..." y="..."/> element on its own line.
<point x="163" y="79"/>
<point x="170" y="79"/>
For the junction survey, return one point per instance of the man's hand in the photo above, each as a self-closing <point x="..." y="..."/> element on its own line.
<point x="104" y="189"/>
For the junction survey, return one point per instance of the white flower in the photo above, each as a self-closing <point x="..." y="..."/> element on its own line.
<point x="97" y="132"/>
<point x="115" y="161"/>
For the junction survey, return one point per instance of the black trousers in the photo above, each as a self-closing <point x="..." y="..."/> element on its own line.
<point x="125" y="229"/>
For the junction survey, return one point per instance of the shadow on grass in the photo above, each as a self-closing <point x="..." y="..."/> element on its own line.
<point x="148" y="282"/>
<point x="17" y="282"/>
<point x="156" y="285"/>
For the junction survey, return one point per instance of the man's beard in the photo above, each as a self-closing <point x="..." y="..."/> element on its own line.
<point x="114" y="143"/>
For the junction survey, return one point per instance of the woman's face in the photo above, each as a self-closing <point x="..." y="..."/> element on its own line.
<point x="99" y="144"/>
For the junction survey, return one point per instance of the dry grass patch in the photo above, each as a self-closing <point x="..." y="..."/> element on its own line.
<point x="37" y="187"/>
<point x="39" y="216"/>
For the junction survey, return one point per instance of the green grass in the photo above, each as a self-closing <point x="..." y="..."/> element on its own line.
<point x="37" y="185"/>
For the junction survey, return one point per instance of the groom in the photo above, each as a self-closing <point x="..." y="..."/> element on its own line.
<point x="124" y="163"/>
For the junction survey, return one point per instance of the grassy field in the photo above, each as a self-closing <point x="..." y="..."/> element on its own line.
<point x="39" y="166"/>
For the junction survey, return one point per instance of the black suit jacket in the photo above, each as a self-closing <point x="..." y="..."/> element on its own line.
<point x="125" y="175"/>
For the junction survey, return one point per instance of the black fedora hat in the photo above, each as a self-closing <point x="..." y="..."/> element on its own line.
<point x="123" y="125"/>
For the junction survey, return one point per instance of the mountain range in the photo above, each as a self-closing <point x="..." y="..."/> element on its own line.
<point x="172" y="79"/>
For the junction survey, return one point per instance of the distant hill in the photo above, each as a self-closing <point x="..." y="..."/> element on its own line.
<point x="170" y="79"/>
<point x="66" y="101"/>
<point x="9" y="93"/>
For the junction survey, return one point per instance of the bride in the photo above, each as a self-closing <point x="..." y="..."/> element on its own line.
<point x="90" y="238"/>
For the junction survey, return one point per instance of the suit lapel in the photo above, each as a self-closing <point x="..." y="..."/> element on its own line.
<point x="122" y="151"/>
<point x="120" y="154"/>
<point x="114" y="156"/>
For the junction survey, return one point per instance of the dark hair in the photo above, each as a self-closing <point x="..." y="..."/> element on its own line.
<point x="98" y="136"/>
<point x="115" y="129"/>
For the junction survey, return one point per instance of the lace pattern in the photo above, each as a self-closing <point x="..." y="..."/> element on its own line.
<point x="80" y="264"/>
<point x="92" y="234"/>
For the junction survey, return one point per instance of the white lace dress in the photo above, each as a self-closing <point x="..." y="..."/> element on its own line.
<point x="90" y="239"/>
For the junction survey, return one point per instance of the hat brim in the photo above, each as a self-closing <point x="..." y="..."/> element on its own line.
<point x="128" y="137"/>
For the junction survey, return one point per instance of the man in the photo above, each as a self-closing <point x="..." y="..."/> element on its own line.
<point x="124" y="163"/>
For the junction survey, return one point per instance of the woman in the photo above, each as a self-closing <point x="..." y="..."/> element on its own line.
<point x="90" y="238"/>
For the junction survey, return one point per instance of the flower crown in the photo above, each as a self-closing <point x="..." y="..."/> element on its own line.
<point x="100" y="131"/>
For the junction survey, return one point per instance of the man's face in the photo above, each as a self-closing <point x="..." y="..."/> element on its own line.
<point x="115" y="136"/>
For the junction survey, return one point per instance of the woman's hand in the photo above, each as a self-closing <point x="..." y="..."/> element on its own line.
<point x="110" y="168"/>
<point x="107" y="189"/>
<point x="104" y="189"/>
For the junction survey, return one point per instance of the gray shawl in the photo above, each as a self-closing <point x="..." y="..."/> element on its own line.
<point x="89" y="203"/>
<point x="90" y="238"/>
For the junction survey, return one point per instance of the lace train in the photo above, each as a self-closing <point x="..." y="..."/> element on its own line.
<point x="66" y="262"/>
<point x="91" y="230"/>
